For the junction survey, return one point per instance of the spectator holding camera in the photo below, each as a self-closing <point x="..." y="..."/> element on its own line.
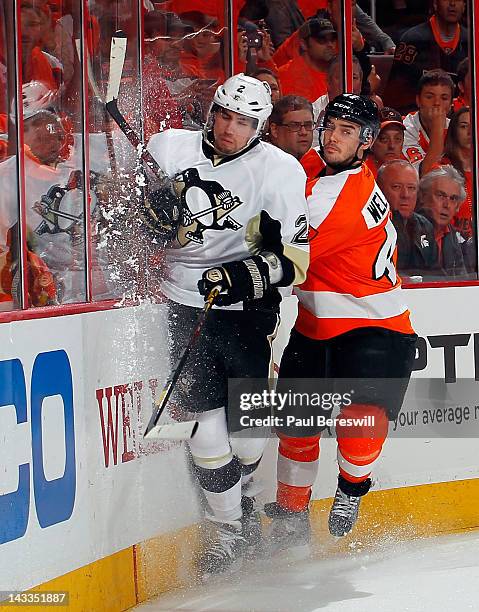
<point x="306" y="74"/>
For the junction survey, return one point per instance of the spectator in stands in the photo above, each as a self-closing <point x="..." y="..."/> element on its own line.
<point x="335" y="84"/>
<point x="37" y="65"/>
<point x="284" y="18"/>
<point x="291" y="125"/>
<point x="441" y="192"/>
<point x="389" y="143"/>
<point x="264" y="74"/>
<point x="426" y="128"/>
<point x="363" y="25"/>
<point x="202" y="54"/>
<point x="463" y="85"/>
<point x="440" y="42"/>
<point x="305" y="75"/>
<point x="416" y="247"/>
<point x="163" y="43"/>
<point x="458" y="153"/>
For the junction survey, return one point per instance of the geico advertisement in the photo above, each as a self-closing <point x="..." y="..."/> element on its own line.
<point x="75" y="473"/>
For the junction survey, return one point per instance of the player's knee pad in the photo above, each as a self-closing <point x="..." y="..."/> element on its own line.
<point x="249" y="451"/>
<point x="359" y="445"/>
<point x="299" y="449"/>
<point x="210" y="446"/>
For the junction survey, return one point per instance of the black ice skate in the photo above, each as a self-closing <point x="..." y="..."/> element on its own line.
<point x="226" y="550"/>
<point x="251" y="528"/>
<point x="288" y="529"/>
<point x="345" y="509"/>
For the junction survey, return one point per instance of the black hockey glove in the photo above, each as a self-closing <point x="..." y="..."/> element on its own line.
<point x="237" y="280"/>
<point x="162" y="214"/>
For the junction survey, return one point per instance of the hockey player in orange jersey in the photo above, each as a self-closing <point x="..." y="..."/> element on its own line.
<point x="352" y="324"/>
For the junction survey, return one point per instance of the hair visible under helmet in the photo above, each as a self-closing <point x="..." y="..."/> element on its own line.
<point x="244" y="95"/>
<point x="357" y="109"/>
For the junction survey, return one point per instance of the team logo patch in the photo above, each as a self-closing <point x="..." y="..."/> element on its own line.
<point x="220" y="202"/>
<point x="214" y="276"/>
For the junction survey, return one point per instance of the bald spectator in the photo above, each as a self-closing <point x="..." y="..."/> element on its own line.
<point x="441" y="192"/>
<point x="305" y="74"/>
<point x="389" y="143"/>
<point x="291" y="125"/>
<point x="416" y="247"/>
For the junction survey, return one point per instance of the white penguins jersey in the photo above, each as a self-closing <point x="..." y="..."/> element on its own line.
<point x="234" y="207"/>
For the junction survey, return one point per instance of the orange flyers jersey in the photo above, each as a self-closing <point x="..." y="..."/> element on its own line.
<point x="351" y="280"/>
<point x="416" y="141"/>
<point x="312" y="163"/>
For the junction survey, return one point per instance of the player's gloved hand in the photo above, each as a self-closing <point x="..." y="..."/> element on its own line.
<point x="162" y="214"/>
<point x="237" y="280"/>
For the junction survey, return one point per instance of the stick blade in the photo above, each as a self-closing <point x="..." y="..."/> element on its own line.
<point x="172" y="431"/>
<point x="117" y="60"/>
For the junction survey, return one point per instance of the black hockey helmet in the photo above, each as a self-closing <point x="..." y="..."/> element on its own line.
<point x="357" y="109"/>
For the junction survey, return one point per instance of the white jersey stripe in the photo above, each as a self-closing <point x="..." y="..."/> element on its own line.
<point x="331" y="305"/>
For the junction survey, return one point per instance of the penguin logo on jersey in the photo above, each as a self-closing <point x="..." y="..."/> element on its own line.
<point x="218" y="202"/>
<point x="61" y="208"/>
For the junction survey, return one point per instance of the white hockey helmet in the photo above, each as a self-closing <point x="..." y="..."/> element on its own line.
<point x="244" y="95"/>
<point x="36" y="96"/>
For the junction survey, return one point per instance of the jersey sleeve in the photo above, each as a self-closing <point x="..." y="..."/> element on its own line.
<point x="161" y="146"/>
<point x="284" y="220"/>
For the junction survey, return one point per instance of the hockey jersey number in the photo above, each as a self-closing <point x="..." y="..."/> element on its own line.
<point x="384" y="264"/>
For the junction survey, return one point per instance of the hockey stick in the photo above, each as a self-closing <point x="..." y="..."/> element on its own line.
<point x="187" y="429"/>
<point x="117" y="61"/>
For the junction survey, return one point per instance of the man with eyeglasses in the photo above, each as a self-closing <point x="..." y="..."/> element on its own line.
<point x="291" y="125"/>
<point x="441" y="193"/>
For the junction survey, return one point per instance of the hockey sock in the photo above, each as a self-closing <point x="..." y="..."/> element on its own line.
<point x="298" y="460"/>
<point x="359" y="446"/>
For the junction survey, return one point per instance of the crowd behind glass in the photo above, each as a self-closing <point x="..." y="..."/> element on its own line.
<point x="416" y="69"/>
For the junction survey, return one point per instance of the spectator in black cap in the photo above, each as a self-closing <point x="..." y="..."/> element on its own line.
<point x="306" y="74"/>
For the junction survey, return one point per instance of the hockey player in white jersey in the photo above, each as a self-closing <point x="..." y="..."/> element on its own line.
<point x="243" y="228"/>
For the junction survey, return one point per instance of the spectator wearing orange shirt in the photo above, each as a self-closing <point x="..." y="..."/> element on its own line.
<point x="36" y="64"/>
<point x="202" y="54"/>
<point x="306" y="74"/>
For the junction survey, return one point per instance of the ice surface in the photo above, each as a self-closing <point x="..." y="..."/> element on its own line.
<point x="439" y="574"/>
